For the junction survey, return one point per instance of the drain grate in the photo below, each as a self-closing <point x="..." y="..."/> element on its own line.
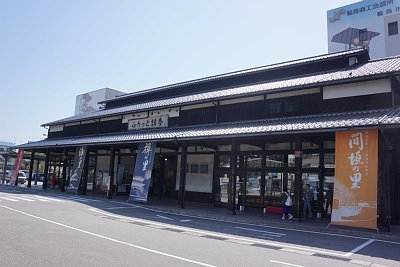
<point x="139" y="223"/>
<point x="264" y="246"/>
<point x="215" y="237"/>
<point x="331" y="257"/>
<point x="174" y="230"/>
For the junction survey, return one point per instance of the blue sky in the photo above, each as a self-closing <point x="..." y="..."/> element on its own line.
<point x="51" y="51"/>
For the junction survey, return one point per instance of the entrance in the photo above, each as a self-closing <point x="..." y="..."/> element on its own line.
<point x="163" y="182"/>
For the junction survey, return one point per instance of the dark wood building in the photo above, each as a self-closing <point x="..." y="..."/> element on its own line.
<point x="248" y="134"/>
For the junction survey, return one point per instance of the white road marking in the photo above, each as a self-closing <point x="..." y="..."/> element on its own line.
<point x="261" y="231"/>
<point x="10" y="199"/>
<point x="285" y="263"/>
<point x="39" y="199"/>
<point x="75" y="198"/>
<point x="185" y="220"/>
<point x="360" y="247"/>
<point x="48" y="198"/>
<point x="163" y="217"/>
<point x="200" y="232"/>
<point x="109" y="238"/>
<point x="21" y="198"/>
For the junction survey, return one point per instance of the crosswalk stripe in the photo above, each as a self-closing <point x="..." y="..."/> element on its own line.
<point x="49" y="198"/>
<point x="10" y="199"/>
<point x="75" y="198"/>
<point x="39" y="199"/>
<point x="22" y="198"/>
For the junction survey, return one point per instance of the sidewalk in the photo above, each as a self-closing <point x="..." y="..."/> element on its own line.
<point x="249" y="216"/>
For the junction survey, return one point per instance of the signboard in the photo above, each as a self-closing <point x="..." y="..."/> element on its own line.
<point x="365" y="24"/>
<point x="147" y="123"/>
<point x="17" y="164"/>
<point x="77" y="168"/>
<point x="142" y="172"/>
<point x="356" y="179"/>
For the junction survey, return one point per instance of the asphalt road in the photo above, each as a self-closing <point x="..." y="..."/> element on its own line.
<point x="47" y="229"/>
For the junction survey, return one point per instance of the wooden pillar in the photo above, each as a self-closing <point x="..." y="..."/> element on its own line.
<point x="31" y="168"/>
<point x="85" y="172"/>
<point x="233" y="166"/>
<point x="37" y="171"/>
<point x="182" y="180"/>
<point x="95" y="173"/>
<point x="46" y="169"/>
<point x="59" y="168"/>
<point x="263" y="167"/>
<point x="111" y="174"/>
<point x="298" y="178"/>
<point x="321" y="181"/>
<point x="64" y="172"/>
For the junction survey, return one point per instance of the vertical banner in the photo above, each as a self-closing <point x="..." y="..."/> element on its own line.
<point x="142" y="172"/>
<point x="79" y="162"/>
<point x="356" y="179"/>
<point x="17" y="164"/>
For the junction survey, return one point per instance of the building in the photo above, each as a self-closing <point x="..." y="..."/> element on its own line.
<point x="280" y="124"/>
<point x="370" y="24"/>
<point x="5" y="151"/>
<point x="91" y="101"/>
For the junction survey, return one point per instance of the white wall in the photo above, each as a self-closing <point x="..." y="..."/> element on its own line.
<point x="88" y="102"/>
<point x="357" y="89"/>
<point x="197" y="182"/>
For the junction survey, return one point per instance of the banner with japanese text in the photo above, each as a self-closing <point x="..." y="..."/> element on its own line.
<point x="77" y="168"/>
<point x="356" y="179"/>
<point x="17" y="164"/>
<point x="142" y="172"/>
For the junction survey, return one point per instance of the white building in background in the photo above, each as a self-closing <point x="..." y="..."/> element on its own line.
<point x="89" y="102"/>
<point x="372" y="24"/>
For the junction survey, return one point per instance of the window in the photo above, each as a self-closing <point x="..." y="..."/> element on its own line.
<point x="275" y="160"/>
<point x="224" y="161"/>
<point x="393" y="28"/>
<point x="329" y="160"/>
<point x="203" y="168"/>
<point x="194" y="168"/>
<point x="254" y="161"/>
<point x="310" y="161"/>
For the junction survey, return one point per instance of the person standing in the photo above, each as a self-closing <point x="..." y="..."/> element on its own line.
<point x="329" y="199"/>
<point x="286" y="205"/>
<point x="307" y="198"/>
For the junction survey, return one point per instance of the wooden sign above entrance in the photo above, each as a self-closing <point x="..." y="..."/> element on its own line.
<point x="147" y="123"/>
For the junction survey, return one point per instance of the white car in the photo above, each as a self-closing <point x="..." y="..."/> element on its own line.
<point x="22" y="178"/>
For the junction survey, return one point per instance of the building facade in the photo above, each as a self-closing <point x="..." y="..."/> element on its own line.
<point x="369" y="24"/>
<point x="241" y="138"/>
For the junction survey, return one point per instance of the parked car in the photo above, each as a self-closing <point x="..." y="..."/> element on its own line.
<point x="40" y="177"/>
<point x="22" y="178"/>
<point x="8" y="175"/>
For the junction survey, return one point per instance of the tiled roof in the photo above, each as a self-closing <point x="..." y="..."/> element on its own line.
<point x="368" y="70"/>
<point x="351" y="52"/>
<point x="328" y="122"/>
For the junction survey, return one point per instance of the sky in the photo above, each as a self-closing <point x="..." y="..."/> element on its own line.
<point x="53" y="50"/>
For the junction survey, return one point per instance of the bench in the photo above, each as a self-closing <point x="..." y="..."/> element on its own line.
<point x="274" y="210"/>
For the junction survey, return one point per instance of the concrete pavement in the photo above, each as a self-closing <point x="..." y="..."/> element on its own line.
<point x="250" y="216"/>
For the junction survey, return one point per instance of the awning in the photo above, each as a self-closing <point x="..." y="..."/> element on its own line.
<point x="289" y="125"/>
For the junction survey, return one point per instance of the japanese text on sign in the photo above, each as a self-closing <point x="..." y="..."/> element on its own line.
<point x="387" y="5"/>
<point x="358" y="148"/>
<point x="146" y="123"/>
